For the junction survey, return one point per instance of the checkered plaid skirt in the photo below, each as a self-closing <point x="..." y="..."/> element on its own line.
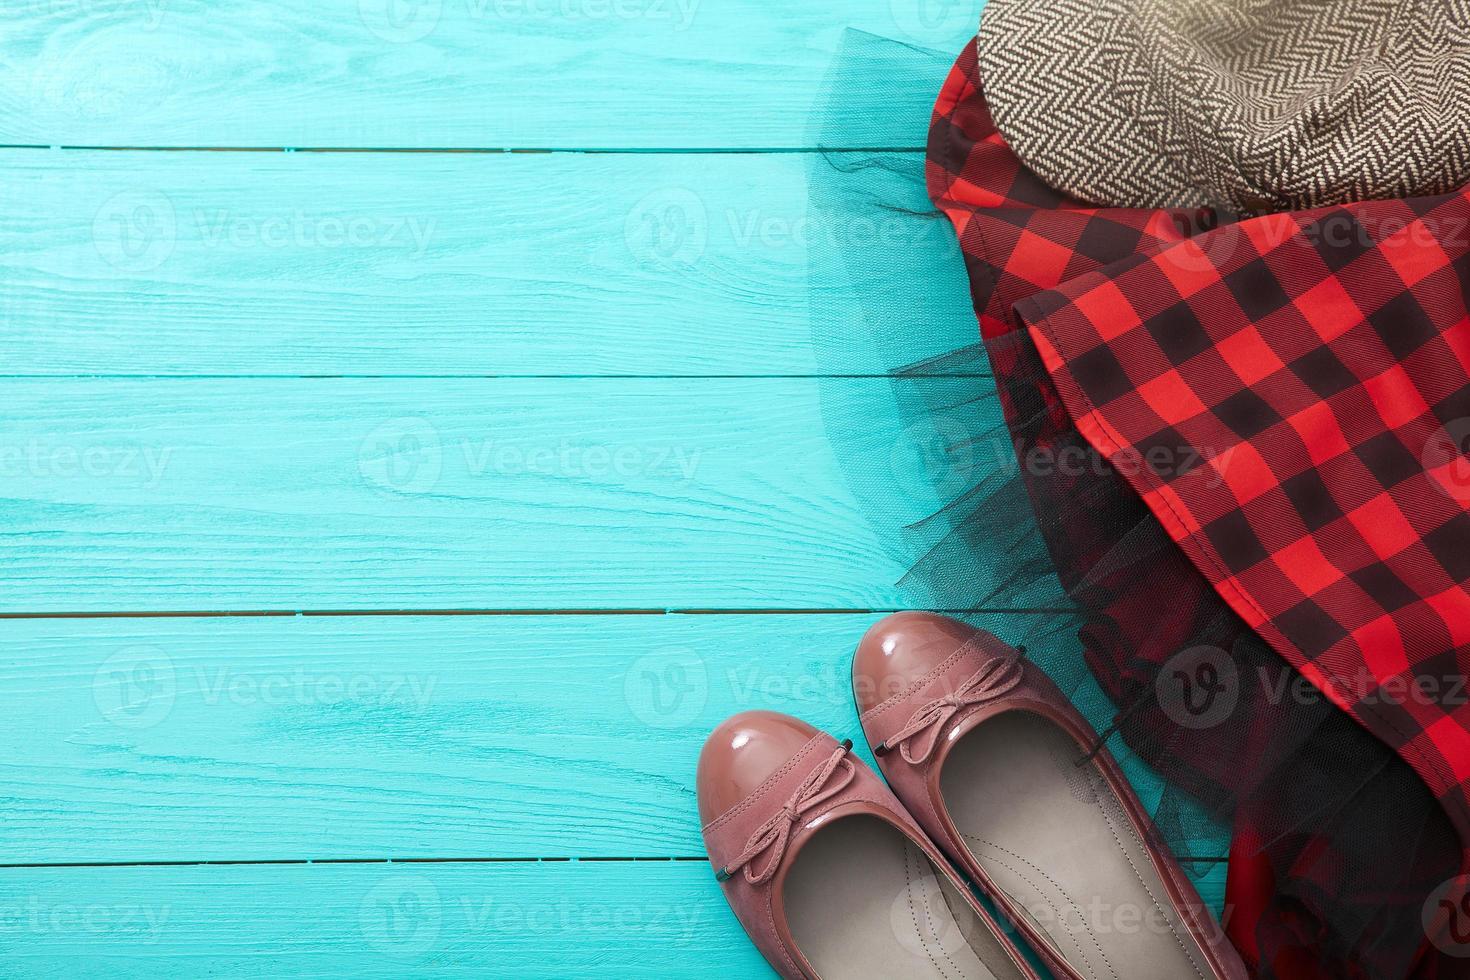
<point x="1265" y="519"/>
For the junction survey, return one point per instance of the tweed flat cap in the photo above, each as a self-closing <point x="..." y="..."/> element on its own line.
<point x="1250" y="105"/>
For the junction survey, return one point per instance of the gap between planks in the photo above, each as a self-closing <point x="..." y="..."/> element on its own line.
<point x="487" y="150"/>
<point x="295" y="862"/>
<point x="298" y="862"/>
<point x="92" y="376"/>
<point x="367" y="613"/>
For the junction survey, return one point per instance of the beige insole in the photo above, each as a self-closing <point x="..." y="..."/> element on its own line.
<point x="864" y="903"/>
<point x="1052" y="837"/>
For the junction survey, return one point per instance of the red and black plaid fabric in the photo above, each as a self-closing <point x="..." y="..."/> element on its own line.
<point x="1286" y="396"/>
<point x="1317" y="369"/>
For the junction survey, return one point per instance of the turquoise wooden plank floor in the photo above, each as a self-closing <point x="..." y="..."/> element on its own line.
<point x="384" y="530"/>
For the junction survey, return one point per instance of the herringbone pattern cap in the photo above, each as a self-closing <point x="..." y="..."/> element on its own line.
<point x="1249" y="105"/>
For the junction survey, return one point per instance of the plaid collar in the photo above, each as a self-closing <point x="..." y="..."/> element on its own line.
<point x="1290" y="395"/>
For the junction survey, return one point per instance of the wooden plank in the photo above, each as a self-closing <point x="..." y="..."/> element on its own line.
<point x="373" y="921"/>
<point x="302" y="494"/>
<point x="380" y="921"/>
<point x="407" y="737"/>
<point x="463" y="73"/>
<point x="561" y="264"/>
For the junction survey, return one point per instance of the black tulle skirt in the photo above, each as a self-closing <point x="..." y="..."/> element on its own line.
<point x="1335" y="843"/>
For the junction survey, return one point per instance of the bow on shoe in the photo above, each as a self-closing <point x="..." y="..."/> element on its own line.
<point x="917" y="739"/>
<point x="774" y="834"/>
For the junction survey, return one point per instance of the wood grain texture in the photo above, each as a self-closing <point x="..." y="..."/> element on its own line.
<point x="408" y="737"/>
<point x="256" y="478"/>
<point x="560" y="264"/>
<point x="382" y="921"/>
<point x="461" y="73"/>
<point x="216" y="494"/>
<point x="374" y="921"/>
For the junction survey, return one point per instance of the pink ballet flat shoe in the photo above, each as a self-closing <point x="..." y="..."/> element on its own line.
<point x="826" y="872"/>
<point x="1003" y="773"/>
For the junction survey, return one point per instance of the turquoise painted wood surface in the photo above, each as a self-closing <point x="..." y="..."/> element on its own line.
<point x="610" y="74"/>
<point x="446" y="264"/>
<point x="481" y="382"/>
<point x="424" y="494"/>
<point x="388" y="921"/>
<point x="405" y="737"/>
<point x="574" y="919"/>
